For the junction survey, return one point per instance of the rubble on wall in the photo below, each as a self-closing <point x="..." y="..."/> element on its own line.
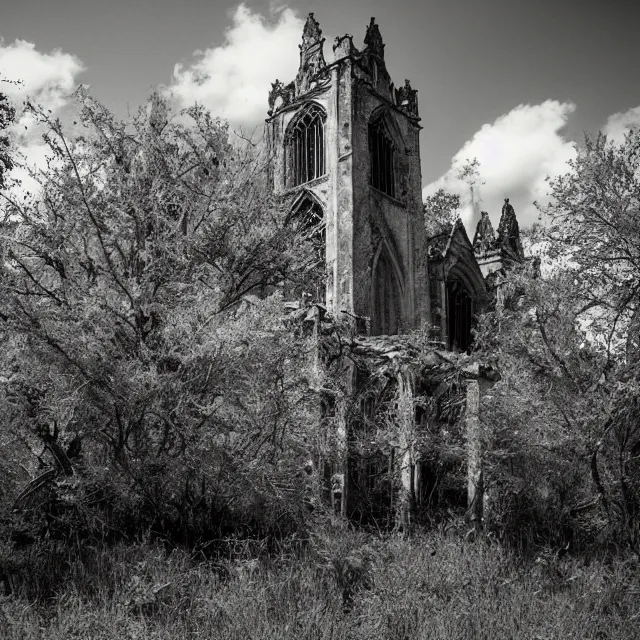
<point x="393" y="397"/>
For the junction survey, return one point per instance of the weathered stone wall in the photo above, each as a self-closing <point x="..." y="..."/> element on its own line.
<point x="359" y="218"/>
<point x="379" y="218"/>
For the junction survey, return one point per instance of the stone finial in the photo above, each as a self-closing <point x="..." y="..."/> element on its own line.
<point x="485" y="238"/>
<point x="311" y="55"/>
<point x="407" y="98"/>
<point x="509" y="233"/>
<point x="343" y="46"/>
<point x="286" y="93"/>
<point x="373" y="39"/>
<point x="312" y="33"/>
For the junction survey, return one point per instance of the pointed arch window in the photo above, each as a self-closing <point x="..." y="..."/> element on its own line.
<point x="307" y="219"/>
<point x="382" y="158"/>
<point x="387" y="297"/>
<point x="460" y="310"/>
<point x="305" y="147"/>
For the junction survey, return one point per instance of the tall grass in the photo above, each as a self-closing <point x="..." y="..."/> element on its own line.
<point x="341" y="585"/>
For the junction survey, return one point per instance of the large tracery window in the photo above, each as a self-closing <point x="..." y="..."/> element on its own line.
<point x="305" y="147"/>
<point x="381" y="153"/>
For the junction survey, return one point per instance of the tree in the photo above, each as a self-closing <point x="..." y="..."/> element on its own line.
<point x="440" y="211"/>
<point x="565" y="343"/>
<point x="595" y="228"/>
<point x="542" y="417"/>
<point x="7" y="117"/>
<point x="131" y="316"/>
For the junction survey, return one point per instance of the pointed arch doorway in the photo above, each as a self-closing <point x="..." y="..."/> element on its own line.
<point x="460" y="312"/>
<point x="386" y="299"/>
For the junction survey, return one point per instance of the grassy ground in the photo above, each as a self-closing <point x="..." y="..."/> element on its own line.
<point x="345" y="585"/>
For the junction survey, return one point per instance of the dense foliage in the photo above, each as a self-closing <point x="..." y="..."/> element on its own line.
<point x="563" y="422"/>
<point x="135" y="350"/>
<point x="440" y="211"/>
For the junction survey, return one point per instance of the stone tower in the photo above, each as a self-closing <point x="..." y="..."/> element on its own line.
<point x="344" y="146"/>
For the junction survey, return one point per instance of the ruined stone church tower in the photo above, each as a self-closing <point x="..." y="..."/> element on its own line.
<point x="344" y="144"/>
<point x="344" y="150"/>
<point x="345" y="158"/>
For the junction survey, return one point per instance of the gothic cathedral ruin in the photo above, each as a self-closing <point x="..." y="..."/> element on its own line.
<point x="345" y="148"/>
<point x="344" y="144"/>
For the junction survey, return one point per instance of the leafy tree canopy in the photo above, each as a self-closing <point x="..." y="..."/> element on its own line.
<point x="129" y="310"/>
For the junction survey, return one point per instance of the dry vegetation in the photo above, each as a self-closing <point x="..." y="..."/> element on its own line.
<point x="340" y="585"/>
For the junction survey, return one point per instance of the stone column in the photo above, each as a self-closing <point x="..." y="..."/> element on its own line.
<point x="405" y="505"/>
<point x="444" y="315"/>
<point x="341" y="471"/>
<point x="474" y="451"/>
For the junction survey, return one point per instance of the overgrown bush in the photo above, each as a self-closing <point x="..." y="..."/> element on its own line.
<point x="150" y="375"/>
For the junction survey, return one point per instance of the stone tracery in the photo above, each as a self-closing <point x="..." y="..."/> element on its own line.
<point x="305" y="146"/>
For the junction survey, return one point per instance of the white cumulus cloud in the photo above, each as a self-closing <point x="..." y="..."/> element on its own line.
<point x="619" y="124"/>
<point x="47" y="79"/>
<point x="233" y="79"/>
<point x="516" y="154"/>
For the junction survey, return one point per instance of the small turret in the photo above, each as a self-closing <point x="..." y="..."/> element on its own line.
<point x="484" y="239"/>
<point x="509" y="235"/>
<point x="343" y="47"/>
<point x="407" y="99"/>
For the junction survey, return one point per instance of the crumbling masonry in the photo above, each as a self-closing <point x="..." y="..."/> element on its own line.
<point x="344" y="143"/>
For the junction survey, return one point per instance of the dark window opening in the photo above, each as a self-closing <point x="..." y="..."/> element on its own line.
<point x="381" y="152"/>
<point x="460" y="316"/>
<point x="305" y="148"/>
<point x="310" y="273"/>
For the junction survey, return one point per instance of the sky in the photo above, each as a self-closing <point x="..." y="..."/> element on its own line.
<point x="512" y="83"/>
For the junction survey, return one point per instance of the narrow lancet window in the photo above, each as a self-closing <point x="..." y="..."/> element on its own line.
<point x="381" y="153"/>
<point x="305" y="147"/>
<point x="387" y="299"/>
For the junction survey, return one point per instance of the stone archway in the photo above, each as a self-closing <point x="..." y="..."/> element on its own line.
<point x="386" y="317"/>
